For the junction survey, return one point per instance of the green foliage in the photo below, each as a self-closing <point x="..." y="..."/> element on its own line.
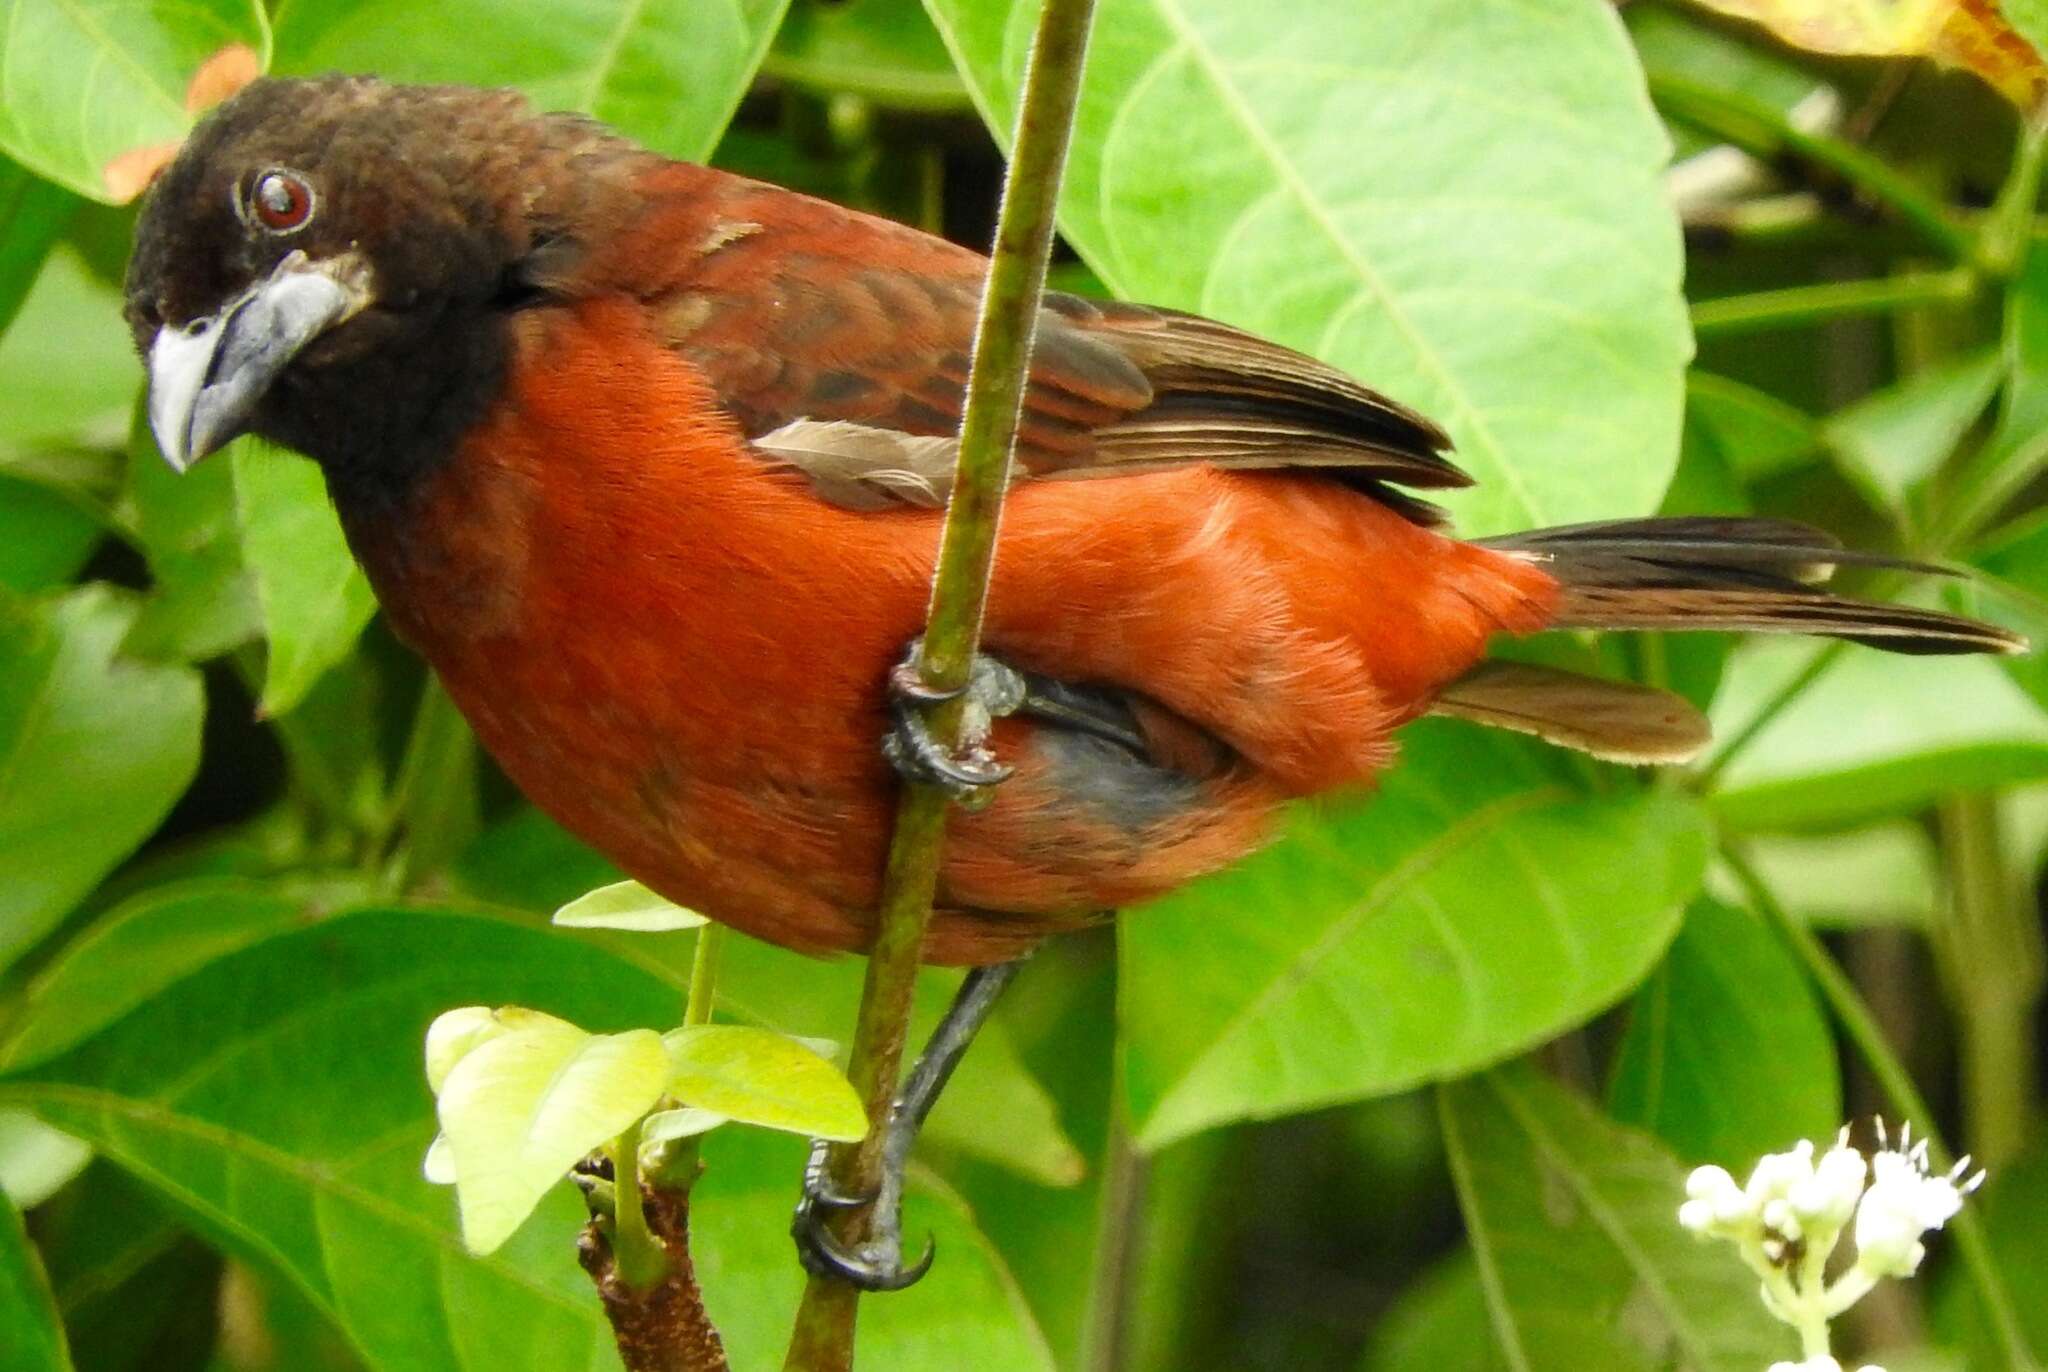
<point x="1727" y="1057"/>
<point x="1479" y="904"/>
<point x="248" y="854"/>
<point x="1342" y="151"/>
<point x="89" y="80"/>
<point x="1581" y="1264"/>
<point x="30" y="1335"/>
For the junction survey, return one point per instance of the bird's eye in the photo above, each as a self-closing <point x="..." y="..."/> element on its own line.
<point x="280" y="202"/>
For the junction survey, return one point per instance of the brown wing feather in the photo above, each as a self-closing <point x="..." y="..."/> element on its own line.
<point x="800" y="313"/>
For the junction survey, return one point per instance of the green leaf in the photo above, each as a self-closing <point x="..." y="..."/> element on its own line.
<point x="761" y="1077"/>
<point x="274" y="1096"/>
<point x="94" y="748"/>
<point x="32" y="213"/>
<point x="1874" y="735"/>
<point x="314" y="600"/>
<point x="137" y="950"/>
<point x="67" y="366"/>
<point x="1880" y="875"/>
<point x="668" y="73"/>
<point x="968" y="1313"/>
<point x="1477" y="906"/>
<point x="626" y="905"/>
<point x="519" y="1110"/>
<point x="1759" y="434"/>
<point x="1727" y="1056"/>
<point x="90" y="80"/>
<point x="1677" y="43"/>
<point x="1437" y="1324"/>
<point x="1485" y="240"/>
<point x="881" y="50"/>
<point x="994" y="1108"/>
<point x="1574" y="1221"/>
<point x="31" y="1337"/>
<point x="203" y="602"/>
<point x="1891" y="443"/>
<point x="45" y="536"/>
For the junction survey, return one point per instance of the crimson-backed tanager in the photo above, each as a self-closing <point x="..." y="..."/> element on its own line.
<point x="647" y="460"/>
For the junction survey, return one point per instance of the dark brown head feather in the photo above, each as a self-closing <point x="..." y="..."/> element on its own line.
<point x="461" y="203"/>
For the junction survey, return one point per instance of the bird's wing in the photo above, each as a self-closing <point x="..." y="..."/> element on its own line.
<point x="843" y="349"/>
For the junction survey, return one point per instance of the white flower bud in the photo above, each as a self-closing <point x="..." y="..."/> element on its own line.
<point x="1716" y="1205"/>
<point x="1902" y="1204"/>
<point x="1777" y="1173"/>
<point x="1826" y="1201"/>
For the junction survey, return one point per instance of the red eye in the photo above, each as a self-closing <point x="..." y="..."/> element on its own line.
<point x="280" y="201"/>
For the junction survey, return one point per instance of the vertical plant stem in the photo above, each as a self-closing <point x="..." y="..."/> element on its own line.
<point x="1989" y="943"/>
<point x="1846" y="1004"/>
<point x="823" y="1337"/>
<point x="1106" y="1336"/>
<point x="704" y="975"/>
<point x="641" y="1263"/>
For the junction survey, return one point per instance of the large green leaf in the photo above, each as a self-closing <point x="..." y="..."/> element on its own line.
<point x="88" y="80"/>
<point x="45" y="536"/>
<point x="275" y="1097"/>
<point x="94" y="748"/>
<point x="32" y="213"/>
<point x="1456" y="200"/>
<point x="315" y="601"/>
<point x="1727" y="1056"/>
<point x="1573" y="1219"/>
<point x="67" y="366"/>
<point x="202" y="602"/>
<point x="1478" y="905"/>
<point x="665" y="72"/>
<point x="31" y="1338"/>
<point x="1873" y="735"/>
<point x="1438" y="1323"/>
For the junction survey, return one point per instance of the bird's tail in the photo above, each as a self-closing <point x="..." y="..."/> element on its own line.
<point x="1738" y="574"/>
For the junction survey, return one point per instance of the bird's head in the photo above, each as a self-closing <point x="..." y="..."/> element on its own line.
<point x="328" y="263"/>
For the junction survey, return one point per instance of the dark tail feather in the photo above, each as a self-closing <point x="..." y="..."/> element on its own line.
<point x="1739" y="574"/>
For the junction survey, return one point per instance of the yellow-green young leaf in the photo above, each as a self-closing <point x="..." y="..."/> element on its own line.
<point x="686" y="1122"/>
<point x="761" y="1077"/>
<point x="520" y="1109"/>
<point x="454" y="1034"/>
<point x="626" y="905"/>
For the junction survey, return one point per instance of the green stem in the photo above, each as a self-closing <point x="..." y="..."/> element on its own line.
<point x="1766" y="132"/>
<point x="1799" y="305"/>
<point x="1990" y="947"/>
<point x="822" y="1340"/>
<point x="1703" y="780"/>
<point x="2003" y="239"/>
<point x="1846" y="1004"/>
<point x="704" y="976"/>
<point x="640" y="1258"/>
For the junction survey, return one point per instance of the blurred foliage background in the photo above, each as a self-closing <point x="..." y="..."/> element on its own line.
<point x="1416" y="1089"/>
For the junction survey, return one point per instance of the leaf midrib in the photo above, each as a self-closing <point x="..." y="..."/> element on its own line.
<point x="1290" y="177"/>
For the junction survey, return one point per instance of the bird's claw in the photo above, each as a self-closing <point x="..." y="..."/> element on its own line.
<point x="877" y="1264"/>
<point x="966" y="775"/>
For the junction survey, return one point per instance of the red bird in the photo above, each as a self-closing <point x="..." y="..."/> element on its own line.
<point x="647" y="460"/>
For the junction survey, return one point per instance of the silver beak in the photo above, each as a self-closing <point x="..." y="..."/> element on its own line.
<point x="206" y="377"/>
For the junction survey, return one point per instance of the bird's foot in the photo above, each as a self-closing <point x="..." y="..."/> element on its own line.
<point x="875" y="1263"/>
<point x="968" y="774"/>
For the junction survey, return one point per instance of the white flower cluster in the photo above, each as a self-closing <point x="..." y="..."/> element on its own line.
<point x="1786" y="1220"/>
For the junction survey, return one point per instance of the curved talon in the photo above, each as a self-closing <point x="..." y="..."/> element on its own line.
<point x="819" y="1192"/>
<point x="824" y="1256"/>
<point x="906" y="683"/>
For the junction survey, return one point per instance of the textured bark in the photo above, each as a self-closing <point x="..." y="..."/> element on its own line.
<point x="664" y="1327"/>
